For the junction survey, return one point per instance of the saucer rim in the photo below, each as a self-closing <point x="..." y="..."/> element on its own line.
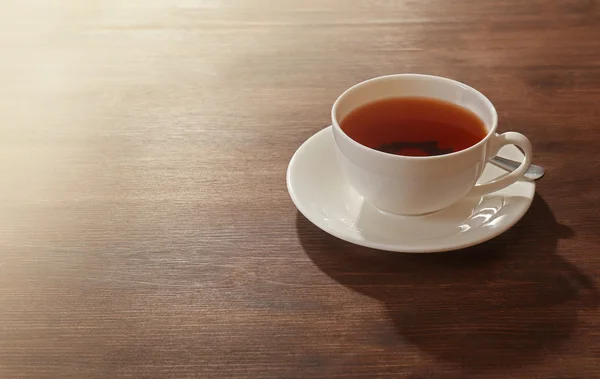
<point x="413" y="248"/>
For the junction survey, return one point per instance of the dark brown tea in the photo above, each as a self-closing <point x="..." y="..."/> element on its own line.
<point x="414" y="126"/>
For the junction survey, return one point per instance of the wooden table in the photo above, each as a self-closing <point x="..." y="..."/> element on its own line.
<point x="145" y="226"/>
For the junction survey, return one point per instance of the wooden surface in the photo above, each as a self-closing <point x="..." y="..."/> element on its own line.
<point x="145" y="226"/>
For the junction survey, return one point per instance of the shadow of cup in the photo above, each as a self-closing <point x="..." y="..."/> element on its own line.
<point x="498" y="304"/>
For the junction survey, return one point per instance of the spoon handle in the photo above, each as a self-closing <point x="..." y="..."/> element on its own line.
<point x="534" y="173"/>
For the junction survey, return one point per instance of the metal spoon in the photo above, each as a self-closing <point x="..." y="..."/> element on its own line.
<point x="534" y="173"/>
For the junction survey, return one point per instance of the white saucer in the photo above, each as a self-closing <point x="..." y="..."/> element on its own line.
<point x="321" y="192"/>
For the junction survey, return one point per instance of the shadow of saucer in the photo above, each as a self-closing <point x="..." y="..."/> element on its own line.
<point x="503" y="303"/>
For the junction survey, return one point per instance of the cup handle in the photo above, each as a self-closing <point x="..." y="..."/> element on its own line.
<point x="508" y="138"/>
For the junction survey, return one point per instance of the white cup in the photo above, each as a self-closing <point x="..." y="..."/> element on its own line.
<point x="417" y="185"/>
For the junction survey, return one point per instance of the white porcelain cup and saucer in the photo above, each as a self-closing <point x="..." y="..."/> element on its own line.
<point x="405" y="203"/>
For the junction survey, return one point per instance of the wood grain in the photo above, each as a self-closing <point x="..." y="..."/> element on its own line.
<point x="145" y="227"/>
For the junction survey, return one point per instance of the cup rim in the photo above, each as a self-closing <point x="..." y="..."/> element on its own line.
<point x="355" y="87"/>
